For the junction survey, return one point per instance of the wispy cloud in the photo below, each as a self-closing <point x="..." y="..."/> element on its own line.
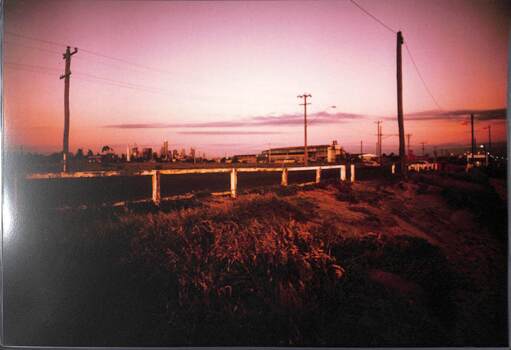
<point x="283" y="120"/>
<point x="316" y="118"/>
<point x="480" y="114"/>
<point x="228" y="132"/>
<point x="322" y="117"/>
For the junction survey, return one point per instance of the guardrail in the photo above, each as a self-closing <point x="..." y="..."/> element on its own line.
<point x="421" y="167"/>
<point x="156" y="176"/>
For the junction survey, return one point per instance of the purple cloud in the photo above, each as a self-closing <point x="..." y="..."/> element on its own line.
<point x="480" y="114"/>
<point x="284" y="119"/>
<point x="228" y="132"/>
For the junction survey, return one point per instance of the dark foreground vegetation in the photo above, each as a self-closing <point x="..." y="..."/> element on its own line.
<point x="418" y="263"/>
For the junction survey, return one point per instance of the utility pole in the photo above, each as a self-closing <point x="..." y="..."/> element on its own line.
<point x="473" y="138"/>
<point x="66" y="76"/>
<point x="304" y="104"/>
<point x="400" y="120"/>
<point x="408" y="144"/>
<point x="378" y="139"/>
<point x="489" y="138"/>
<point x="361" y="147"/>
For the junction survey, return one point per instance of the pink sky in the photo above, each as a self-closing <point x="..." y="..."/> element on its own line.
<point x="225" y="75"/>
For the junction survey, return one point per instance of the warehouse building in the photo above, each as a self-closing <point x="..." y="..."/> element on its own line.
<point x="245" y="158"/>
<point x="317" y="153"/>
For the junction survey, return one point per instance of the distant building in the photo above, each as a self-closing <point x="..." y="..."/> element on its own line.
<point x="94" y="158"/>
<point x="135" y="153"/>
<point x="245" y="158"/>
<point x="316" y="153"/>
<point x="478" y="159"/>
<point x="192" y="154"/>
<point x="147" y="153"/>
<point x="128" y="153"/>
<point x="164" y="151"/>
<point x="368" y="156"/>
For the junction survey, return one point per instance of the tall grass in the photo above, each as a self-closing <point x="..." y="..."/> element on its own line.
<point x="257" y="273"/>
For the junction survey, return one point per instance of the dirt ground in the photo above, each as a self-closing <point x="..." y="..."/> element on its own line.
<point x="475" y="250"/>
<point x="374" y="263"/>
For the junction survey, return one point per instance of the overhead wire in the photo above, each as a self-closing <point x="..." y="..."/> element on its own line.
<point x="374" y="17"/>
<point x="31" y="47"/>
<point x="91" y="52"/>
<point x="87" y="77"/>
<point x="407" y="49"/>
<point x="421" y="77"/>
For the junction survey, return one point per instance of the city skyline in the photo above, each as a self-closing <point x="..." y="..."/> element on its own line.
<point x="223" y="77"/>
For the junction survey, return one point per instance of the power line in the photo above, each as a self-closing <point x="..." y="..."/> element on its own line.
<point x="85" y="77"/>
<point x="138" y="65"/>
<point x="407" y="49"/>
<point x="373" y="17"/>
<point x="420" y="76"/>
<point x="31" y="47"/>
<point x="36" y="39"/>
<point x="48" y="69"/>
<point x="30" y="70"/>
<point x="80" y="79"/>
<point x="119" y="82"/>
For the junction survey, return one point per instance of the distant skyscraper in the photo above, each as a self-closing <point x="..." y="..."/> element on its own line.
<point x="147" y="153"/>
<point x="192" y="154"/>
<point x="128" y="153"/>
<point x="165" y="150"/>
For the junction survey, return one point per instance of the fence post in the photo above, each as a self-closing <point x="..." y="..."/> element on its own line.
<point x="234" y="182"/>
<point x="393" y="168"/>
<point x="318" y="175"/>
<point x="156" y="187"/>
<point x="343" y="172"/>
<point x="352" y="172"/>
<point x="284" y="177"/>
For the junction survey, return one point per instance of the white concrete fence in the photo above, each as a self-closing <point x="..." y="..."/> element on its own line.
<point x="423" y="167"/>
<point x="156" y="176"/>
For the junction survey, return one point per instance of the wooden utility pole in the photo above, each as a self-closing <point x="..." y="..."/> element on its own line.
<point x="489" y="138"/>
<point x="408" y="144"/>
<point x="423" y="143"/>
<point x="361" y="147"/>
<point x="304" y="104"/>
<point x="473" y="138"/>
<point x="381" y="141"/>
<point x="66" y="76"/>
<point x="378" y="139"/>
<point x="400" y="120"/>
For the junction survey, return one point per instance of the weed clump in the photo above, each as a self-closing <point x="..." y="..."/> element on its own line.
<point x="252" y="267"/>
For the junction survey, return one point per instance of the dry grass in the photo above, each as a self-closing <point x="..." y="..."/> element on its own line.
<point x="338" y="265"/>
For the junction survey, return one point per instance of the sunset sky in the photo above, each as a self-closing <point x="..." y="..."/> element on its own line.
<point x="224" y="76"/>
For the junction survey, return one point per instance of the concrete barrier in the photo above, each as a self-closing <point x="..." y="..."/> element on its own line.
<point x="156" y="175"/>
